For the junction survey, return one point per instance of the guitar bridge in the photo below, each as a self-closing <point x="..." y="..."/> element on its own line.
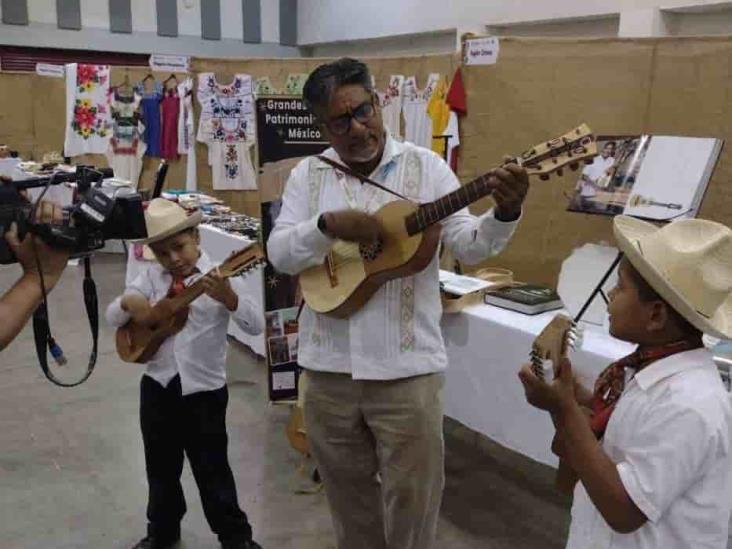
<point x="330" y="269"/>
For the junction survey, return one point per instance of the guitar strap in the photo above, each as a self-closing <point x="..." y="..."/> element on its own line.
<point x="42" y="332"/>
<point x="363" y="178"/>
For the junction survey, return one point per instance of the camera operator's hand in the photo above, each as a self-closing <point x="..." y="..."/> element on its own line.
<point x="52" y="260"/>
<point x="19" y="302"/>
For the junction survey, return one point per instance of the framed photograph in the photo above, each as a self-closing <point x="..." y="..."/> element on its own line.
<point x="274" y="324"/>
<point x="605" y="186"/>
<point x="279" y="350"/>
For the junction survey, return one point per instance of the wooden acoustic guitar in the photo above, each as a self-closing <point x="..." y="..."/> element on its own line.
<point x="352" y="273"/>
<point x="139" y="343"/>
<point x="549" y="347"/>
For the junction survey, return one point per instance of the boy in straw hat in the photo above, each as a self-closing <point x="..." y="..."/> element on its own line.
<point x="183" y="394"/>
<point x="659" y="475"/>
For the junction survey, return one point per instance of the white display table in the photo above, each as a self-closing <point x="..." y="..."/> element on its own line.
<point x="218" y="245"/>
<point x="486" y="346"/>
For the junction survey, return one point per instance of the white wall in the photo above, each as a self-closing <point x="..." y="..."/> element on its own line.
<point x="144" y="16"/>
<point x="95" y="35"/>
<point x="231" y="19"/>
<point x="600" y="27"/>
<point x="693" y="23"/>
<point x="42" y="11"/>
<point x="94" y="14"/>
<point x="270" y="20"/>
<point x="410" y="44"/>
<point x="324" y="21"/>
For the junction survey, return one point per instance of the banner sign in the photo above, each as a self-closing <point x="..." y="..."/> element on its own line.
<point x="286" y="129"/>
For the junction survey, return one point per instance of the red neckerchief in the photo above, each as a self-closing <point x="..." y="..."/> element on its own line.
<point x="177" y="286"/>
<point x="611" y="382"/>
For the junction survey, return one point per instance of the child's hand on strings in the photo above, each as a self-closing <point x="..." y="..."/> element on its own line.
<point x="552" y="397"/>
<point x="217" y="287"/>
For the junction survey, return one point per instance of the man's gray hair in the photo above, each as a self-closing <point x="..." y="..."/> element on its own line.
<point x="325" y="79"/>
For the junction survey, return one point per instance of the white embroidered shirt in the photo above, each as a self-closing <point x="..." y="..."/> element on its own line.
<point x="396" y="334"/>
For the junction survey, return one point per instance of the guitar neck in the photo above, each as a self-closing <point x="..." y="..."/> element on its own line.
<point x="433" y="212"/>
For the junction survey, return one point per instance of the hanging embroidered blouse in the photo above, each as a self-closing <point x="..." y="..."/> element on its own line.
<point x="227" y="126"/>
<point x="87" y="109"/>
<point x="295" y="83"/>
<point x="186" y="144"/>
<point x="263" y="86"/>
<point x="418" y="125"/>
<point x="169" y="107"/>
<point x="151" y="116"/>
<point x="126" y="146"/>
<point x="391" y="104"/>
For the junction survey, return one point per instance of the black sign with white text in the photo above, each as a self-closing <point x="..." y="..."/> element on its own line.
<point x="286" y="129"/>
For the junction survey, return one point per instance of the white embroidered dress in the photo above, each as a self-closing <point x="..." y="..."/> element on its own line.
<point x="396" y="334"/>
<point x="227" y="126"/>
<point x="391" y="104"/>
<point x="418" y="124"/>
<point x="186" y="144"/>
<point x="88" y="120"/>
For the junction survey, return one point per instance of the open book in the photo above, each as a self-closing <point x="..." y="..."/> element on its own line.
<point x="647" y="176"/>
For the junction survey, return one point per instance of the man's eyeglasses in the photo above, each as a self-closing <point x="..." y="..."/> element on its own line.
<point x="341" y="125"/>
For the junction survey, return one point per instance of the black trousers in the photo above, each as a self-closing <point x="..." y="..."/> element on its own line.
<point x="195" y="424"/>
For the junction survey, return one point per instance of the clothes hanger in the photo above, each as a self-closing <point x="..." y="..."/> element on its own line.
<point x="171" y="77"/>
<point x="125" y="85"/>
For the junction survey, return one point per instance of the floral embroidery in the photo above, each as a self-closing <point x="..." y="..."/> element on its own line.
<point x="263" y="86"/>
<point x="127" y="127"/>
<point x="413" y="176"/>
<point x="406" y="316"/>
<point x="295" y="84"/>
<point x="407" y="339"/>
<point x="89" y="118"/>
<point x="315" y="179"/>
<point x="90" y="76"/>
<point x="231" y="163"/>
<point x="85" y="120"/>
<point x="222" y="133"/>
<point x="393" y="91"/>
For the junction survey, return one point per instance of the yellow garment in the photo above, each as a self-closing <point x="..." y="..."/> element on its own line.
<point x="439" y="111"/>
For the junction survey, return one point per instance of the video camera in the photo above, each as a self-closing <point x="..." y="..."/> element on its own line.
<point x="99" y="212"/>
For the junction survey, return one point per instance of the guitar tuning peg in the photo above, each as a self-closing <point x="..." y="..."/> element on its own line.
<point x="544" y="177"/>
<point x="589" y="161"/>
<point x="560" y="172"/>
<point x="574" y="166"/>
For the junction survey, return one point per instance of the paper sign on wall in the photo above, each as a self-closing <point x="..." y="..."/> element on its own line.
<point x="481" y="51"/>
<point x="170" y="63"/>
<point x="46" y="69"/>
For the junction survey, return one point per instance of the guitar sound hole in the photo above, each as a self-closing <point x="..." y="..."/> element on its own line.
<point x="370" y="252"/>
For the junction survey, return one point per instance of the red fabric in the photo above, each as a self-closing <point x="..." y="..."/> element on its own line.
<point x="169" y="107"/>
<point x="458" y="101"/>
<point x="453" y="160"/>
<point x="611" y="382"/>
<point x="456" y="97"/>
<point x="177" y="286"/>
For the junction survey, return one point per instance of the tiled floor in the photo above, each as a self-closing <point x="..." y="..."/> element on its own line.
<point x="72" y="470"/>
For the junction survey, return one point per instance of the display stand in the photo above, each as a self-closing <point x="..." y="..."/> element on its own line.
<point x="598" y="289"/>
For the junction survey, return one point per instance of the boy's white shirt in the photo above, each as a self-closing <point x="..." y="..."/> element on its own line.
<point x="198" y="352"/>
<point x="669" y="437"/>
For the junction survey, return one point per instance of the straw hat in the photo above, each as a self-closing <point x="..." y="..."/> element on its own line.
<point x="164" y="218"/>
<point x="689" y="263"/>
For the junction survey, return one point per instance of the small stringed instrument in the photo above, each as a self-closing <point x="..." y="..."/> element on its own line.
<point x="640" y="200"/>
<point x="352" y="273"/>
<point x="139" y="343"/>
<point x="549" y="347"/>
